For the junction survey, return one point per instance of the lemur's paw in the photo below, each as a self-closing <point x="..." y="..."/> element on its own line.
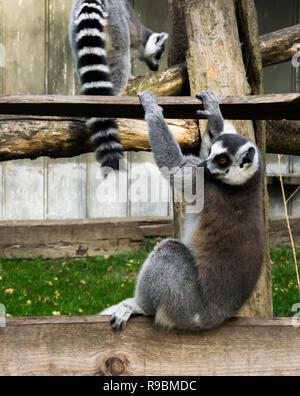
<point x="210" y="103"/>
<point x="120" y="317"/>
<point x="147" y="99"/>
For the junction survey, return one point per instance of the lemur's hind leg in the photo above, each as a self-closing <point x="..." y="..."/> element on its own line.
<point x="168" y="286"/>
<point x="215" y="125"/>
<point x="121" y="313"/>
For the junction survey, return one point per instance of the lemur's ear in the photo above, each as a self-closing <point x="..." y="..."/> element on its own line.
<point x="247" y="157"/>
<point x="161" y="39"/>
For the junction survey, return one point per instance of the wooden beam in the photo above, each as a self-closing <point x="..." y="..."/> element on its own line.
<point x="78" y="238"/>
<point x="87" y="346"/>
<point x="279" y="233"/>
<point x="57" y="137"/>
<point x="280" y="46"/>
<point x="32" y="137"/>
<point x="93" y="237"/>
<point x="260" y="303"/>
<point x="257" y="107"/>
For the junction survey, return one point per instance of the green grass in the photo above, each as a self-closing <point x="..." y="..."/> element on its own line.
<point x="285" y="289"/>
<point x="86" y="286"/>
<point x="71" y="286"/>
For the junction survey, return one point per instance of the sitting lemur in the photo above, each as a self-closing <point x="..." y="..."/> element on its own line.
<point x="199" y="282"/>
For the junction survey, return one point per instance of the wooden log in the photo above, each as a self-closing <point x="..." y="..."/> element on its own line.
<point x="283" y="137"/>
<point x="280" y="46"/>
<point x="276" y="47"/>
<point x="260" y="303"/>
<point x="213" y="35"/>
<point x="235" y="105"/>
<point x="170" y="82"/>
<point x="178" y="41"/>
<point x="32" y="137"/>
<point x="87" y="346"/>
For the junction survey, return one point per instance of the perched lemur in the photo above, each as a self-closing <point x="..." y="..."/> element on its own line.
<point x="106" y="36"/>
<point x="204" y="279"/>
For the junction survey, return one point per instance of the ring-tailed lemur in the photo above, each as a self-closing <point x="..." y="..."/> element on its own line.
<point x="105" y="37"/>
<point x="204" y="279"/>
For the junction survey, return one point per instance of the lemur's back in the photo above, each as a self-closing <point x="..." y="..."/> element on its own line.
<point x="105" y="36"/>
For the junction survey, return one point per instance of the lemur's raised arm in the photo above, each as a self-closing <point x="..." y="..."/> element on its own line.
<point x="166" y="150"/>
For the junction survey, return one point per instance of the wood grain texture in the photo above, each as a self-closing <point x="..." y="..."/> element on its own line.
<point x="280" y="46"/>
<point x="279" y="234"/>
<point x="215" y="62"/>
<point x="283" y="137"/>
<point x="87" y="346"/>
<point x="32" y="137"/>
<point x="178" y="41"/>
<point x="79" y="238"/>
<point x="260" y="107"/>
<point x="57" y="137"/>
<point x="260" y="303"/>
<point x="169" y="82"/>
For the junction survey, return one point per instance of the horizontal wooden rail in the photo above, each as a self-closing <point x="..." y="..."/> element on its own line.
<point x="79" y="238"/>
<point x="87" y="346"/>
<point x="274" y="107"/>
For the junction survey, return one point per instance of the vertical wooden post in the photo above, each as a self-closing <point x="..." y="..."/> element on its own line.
<point x="177" y="53"/>
<point x="260" y="303"/>
<point x="178" y="44"/>
<point x="215" y="62"/>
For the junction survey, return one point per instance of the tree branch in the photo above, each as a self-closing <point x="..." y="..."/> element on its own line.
<point x="280" y="46"/>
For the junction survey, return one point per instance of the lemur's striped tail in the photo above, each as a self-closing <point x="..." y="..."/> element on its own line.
<point x="95" y="78"/>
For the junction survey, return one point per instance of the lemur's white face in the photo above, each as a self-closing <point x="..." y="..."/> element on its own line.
<point x="233" y="159"/>
<point x="154" y="49"/>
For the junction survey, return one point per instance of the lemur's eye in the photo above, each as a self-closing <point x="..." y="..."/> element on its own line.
<point x="223" y="161"/>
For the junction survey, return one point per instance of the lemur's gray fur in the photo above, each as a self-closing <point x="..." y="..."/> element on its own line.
<point x="199" y="282"/>
<point x="105" y="37"/>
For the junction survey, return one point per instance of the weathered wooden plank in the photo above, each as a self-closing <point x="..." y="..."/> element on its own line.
<point x="23" y="187"/>
<point x="66" y="189"/>
<point x="62" y="79"/>
<point x="60" y="346"/>
<point x="104" y="198"/>
<point x="70" y="238"/>
<point x="66" y="178"/>
<point x="277" y="106"/>
<point x="148" y="191"/>
<point x="24" y="73"/>
<point x="25" y="61"/>
<point x="279" y="234"/>
<point x="260" y="303"/>
<point x="79" y="238"/>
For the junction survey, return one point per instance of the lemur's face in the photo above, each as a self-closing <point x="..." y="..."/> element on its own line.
<point x="233" y="159"/>
<point x="154" y="49"/>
